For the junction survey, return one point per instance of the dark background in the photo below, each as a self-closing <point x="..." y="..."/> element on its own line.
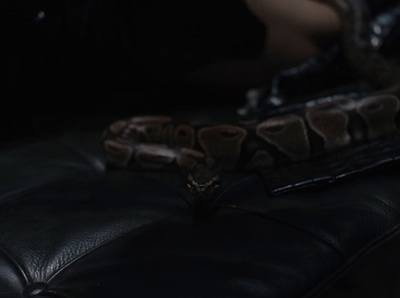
<point x="72" y="63"/>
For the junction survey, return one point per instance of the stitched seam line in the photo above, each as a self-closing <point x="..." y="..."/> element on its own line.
<point x="232" y="187"/>
<point x="17" y="265"/>
<point x="331" y="245"/>
<point x="348" y="265"/>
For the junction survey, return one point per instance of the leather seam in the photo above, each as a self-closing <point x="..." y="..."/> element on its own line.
<point x="83" y="155"/>
<point x="247" y="179"/>
<point x="332" y="246"/>
<point x="326" y="241"/>
<point x="17" y="265"/>
<point x="352" y="261"/>
<point x="232" y="187"/>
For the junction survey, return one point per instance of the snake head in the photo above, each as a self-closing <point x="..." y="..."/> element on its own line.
<point x="203" y="182"/>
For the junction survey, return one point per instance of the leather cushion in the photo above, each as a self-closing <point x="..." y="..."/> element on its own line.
<point x="120" y="233"/>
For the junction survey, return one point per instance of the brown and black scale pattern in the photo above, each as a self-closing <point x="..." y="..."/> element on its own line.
<point x="159" y="142"/>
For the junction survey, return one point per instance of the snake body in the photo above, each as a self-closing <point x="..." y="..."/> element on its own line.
<point x="317" y="129"/>
<point x="303" y="132"/>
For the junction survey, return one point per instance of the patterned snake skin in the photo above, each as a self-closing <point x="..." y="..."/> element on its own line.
<point x="306" y="132"/>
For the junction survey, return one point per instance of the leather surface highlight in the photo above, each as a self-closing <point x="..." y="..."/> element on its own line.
<point x="12" y="280"/>
<point x="41" y="163"/>
<point x="68" y="220"/>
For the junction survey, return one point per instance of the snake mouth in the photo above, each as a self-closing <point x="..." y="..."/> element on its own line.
<point x="196" y="188"/>
<point x="201" y="188"/>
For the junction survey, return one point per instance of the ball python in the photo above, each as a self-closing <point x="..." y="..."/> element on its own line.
<point x="303" y="132"/>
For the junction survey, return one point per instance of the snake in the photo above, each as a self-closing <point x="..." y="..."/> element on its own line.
<point x="306" y="131"/>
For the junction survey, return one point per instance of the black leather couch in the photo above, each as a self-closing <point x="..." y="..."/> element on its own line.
<point x="71" y="228"/>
